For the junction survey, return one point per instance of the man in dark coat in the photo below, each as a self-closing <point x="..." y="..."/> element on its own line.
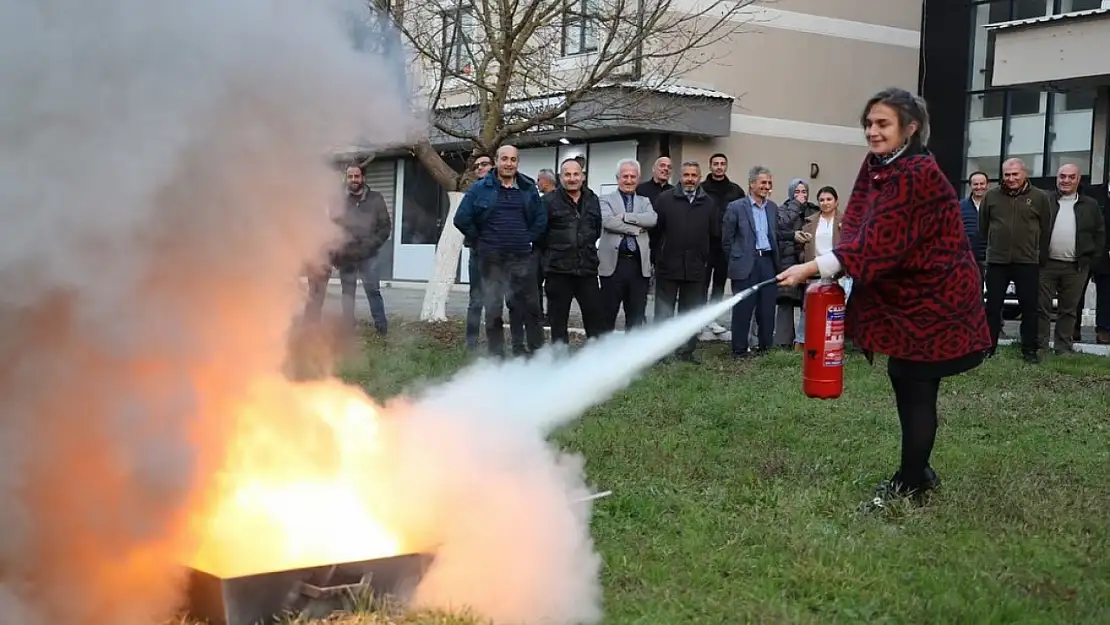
<point x="503" y="215"/>
<point x="570" y="253"/>
<point x="687" y="223"/>
<point x="366" y="226"/>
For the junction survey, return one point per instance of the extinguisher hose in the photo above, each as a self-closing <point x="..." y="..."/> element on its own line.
<point x="748" y="292"/>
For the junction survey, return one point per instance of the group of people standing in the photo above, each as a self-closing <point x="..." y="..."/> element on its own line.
<point x="604" y="251"/>
<point x="1049" y="245"/>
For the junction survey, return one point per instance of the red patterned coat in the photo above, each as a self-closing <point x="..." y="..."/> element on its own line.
<point x="916" y="291"/>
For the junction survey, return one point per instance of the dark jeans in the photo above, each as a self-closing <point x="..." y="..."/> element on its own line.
<point x="561" y="289"/>
<point x="348" y="280"/>
<point x="510" y="277"/>
<point x="686" y="295"/>
<point x="626" y="287"/>
<point x="1026" y="279"/>
<point x="1102" y="301"/>
<point x="474" y="308"/>
<point x="917" y="413"/>
<point x="762" y="304"/>
<point x="716" y="274"/>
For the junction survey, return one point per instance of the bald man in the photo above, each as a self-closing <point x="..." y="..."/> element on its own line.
<point x="503" y="215"/>
<point x="659" y="182"/>
<point x="1015" y="220"/>
<point x="1077" y="238"/>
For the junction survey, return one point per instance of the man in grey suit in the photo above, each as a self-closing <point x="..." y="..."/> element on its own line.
<point x="625" y="250"/>
<point x="751" y="248"/>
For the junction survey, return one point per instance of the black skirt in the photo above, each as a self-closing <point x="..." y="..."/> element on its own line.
<point x="917" y="370"/>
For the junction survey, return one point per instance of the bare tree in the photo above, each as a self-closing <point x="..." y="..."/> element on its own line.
<point x="493" y="70"/>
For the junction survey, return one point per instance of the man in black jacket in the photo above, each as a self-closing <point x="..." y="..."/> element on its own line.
<point x="364" y="219"/>
<point x="687" y="223"/>
<point x="570" y="253"/>
<point x="723" y="191"/>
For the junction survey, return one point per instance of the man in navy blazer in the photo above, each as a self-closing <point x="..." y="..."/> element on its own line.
<point x="751" y="247"/>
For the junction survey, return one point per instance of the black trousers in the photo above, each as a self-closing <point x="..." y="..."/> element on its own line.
<point x="686" y="295"/>
<point x="561" y="289"/>
<point x="716" y="273"/>
<point x="511" y="277"/>
<point x="1026" y="279"/>
<point x="916" y="399"/>
<point x="627" y="287"/>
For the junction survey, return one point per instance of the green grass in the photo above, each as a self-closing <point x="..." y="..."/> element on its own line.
<point x="736" y="498"/>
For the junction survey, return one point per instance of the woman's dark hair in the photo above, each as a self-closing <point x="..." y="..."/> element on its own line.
<point x="911" y="109"/>
<point x="831" y="191"/>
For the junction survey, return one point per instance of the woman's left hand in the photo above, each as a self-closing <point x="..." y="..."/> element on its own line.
<point x="797" y="274"/>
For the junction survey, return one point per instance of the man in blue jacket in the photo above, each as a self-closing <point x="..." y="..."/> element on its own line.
<point x="969" y="207"/>
<point x="502" y="214"/>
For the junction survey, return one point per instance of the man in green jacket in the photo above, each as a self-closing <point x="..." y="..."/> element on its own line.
<point x="1015" y="219"/>
<point x="1076" y="239"/>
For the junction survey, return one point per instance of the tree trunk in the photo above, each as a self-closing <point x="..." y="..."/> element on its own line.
<point x="447" y="265"/>
<point x="443" y="174"/>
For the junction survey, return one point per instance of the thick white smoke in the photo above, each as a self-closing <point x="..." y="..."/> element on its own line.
<point x="163" y="177"/>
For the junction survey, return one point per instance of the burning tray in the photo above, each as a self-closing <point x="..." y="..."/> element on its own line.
<point x="262" y="598"/>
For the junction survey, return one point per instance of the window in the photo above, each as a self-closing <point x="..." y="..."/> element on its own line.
<point x="580" y="27"/>
<point x="425" y="206"/>
<point x="1068" y="6"/>
<point x="459" y="26"/>
<point x="1025" y="132"/>
<point x="1071" y="127"/>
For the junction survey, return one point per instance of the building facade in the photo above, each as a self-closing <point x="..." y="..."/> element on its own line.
<point x="786" y="93"/>
<point x="1018" y="78"/>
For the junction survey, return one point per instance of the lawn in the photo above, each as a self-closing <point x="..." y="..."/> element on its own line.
<point x="736" y="499"/>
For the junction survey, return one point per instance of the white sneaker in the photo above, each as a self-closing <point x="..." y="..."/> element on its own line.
<point x="716" y="328"/>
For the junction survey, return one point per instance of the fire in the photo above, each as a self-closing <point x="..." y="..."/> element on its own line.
<point x="298" y="486"/>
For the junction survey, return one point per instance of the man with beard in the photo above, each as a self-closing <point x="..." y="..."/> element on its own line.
<point x="686" y="223"/>
<point x="570" y="253"/>
<point x="366" y="226"/>
<point x="723" y="191"/>
<point x="503" y="215"/>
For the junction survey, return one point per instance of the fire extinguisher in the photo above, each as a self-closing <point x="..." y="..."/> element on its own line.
<point x="823" y="357"/>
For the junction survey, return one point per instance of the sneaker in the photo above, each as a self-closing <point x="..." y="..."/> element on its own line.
<point x="707" y="335"/>
<point x="716" y="328"/>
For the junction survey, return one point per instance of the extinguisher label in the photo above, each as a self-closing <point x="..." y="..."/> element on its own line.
<point x="834" y="336"/>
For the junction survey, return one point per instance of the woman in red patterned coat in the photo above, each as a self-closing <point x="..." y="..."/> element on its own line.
<point x="916" y="295"/>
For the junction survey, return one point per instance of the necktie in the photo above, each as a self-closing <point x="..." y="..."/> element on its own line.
<point x="629" y="240"/>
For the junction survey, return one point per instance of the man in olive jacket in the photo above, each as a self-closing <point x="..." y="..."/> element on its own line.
<point x="1015" y="220"/>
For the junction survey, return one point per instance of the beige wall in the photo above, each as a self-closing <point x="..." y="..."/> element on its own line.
<point x="802" y="76"/>
<point x="800" y="86"/>
<point x="895" y="13"/>
<point x="786" y="158"/>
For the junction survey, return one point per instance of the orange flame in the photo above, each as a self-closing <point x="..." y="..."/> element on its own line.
<point x="297" y="489"/>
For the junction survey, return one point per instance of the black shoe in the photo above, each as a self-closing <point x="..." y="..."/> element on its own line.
<point x="1032" y="358"/>
<point x="688" y="358"/>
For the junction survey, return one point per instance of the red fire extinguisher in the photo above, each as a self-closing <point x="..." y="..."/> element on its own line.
<point x="823" y="358"/>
